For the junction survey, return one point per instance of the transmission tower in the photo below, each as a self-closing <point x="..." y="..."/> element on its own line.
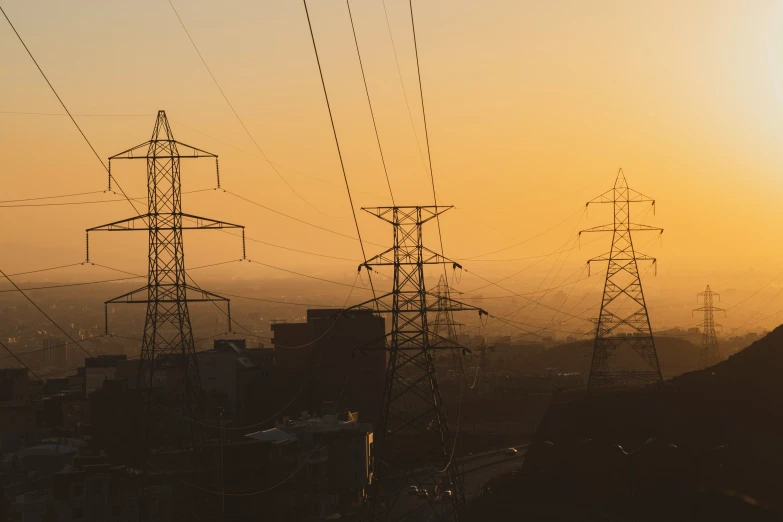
<point x="623" y="320"/>
<point x="168" y="336"/>
<point x="413" y="431"/>
<point x="444" y="325"/>
<point x="710" y="353"/>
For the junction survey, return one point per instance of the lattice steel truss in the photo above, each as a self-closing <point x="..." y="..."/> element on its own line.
<point x="413" y="432"/>
<point x="444" y="325"/>
<point x="168" y="336"/>
<point x="710" y="351"/>
<point x="623" y="320"/>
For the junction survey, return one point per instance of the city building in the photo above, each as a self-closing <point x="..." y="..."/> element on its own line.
<point x="89" y="489"/>
<point x="333" y="454"/>
<point x="98" y="369"/>
<point x="337" y="355"/>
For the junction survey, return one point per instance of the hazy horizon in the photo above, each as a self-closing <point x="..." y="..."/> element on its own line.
<point x="531" y="111"/>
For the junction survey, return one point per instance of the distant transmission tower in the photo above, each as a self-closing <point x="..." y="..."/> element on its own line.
<point x="168" y="336"/>
<point x="413" y="431"/>
<point x="444" y="325"/>
<point x="623" y="320"/>
<point x="710" y="353"/>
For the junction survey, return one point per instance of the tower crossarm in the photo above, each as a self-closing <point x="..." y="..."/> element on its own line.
<point x="408" y="256"/>
<point x="142" y="222"/>
<point x="441" y="304"/>
<point x="410" y="215"/>
<point x="381" y="300"/>
<point x="610" y="196"/>
<point x="142" y="295"/>
<point x="155" y="145"/>
<point x="708" y="309"/>
<point x="409" y="301"/>
<point x="615" y="256"/>
<point x="633" y="227"/>
<point x="621" y="260"/>
<point x="165" y="294"/>
<point x="135" y="223"/>
<point x="208" y="223"/>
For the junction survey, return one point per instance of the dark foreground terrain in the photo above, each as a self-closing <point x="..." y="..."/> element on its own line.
<point x="704" y="446"/>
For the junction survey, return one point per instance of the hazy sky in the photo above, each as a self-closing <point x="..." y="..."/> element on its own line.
<point x="532" y="107"/>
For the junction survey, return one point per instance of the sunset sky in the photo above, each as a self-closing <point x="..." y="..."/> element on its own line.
<point x="531" y="106"/>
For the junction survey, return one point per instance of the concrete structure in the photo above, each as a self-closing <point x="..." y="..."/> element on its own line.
<point x="16" y="388"/>
<point x="323" y="356"/>
<point x="327" y="462"/>
<point x="229" y="371"/>
<point x="91" y="490"/>
<point x="98" y="369"/>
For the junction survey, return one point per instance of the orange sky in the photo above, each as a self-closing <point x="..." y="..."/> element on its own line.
<point x="532" y="107"/>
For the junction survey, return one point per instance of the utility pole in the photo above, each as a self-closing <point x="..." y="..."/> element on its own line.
<point x="168" y="336"/>
<point x="623" y="321"/>
<point x="413" y="431"/>
<point x="710" y="353"/>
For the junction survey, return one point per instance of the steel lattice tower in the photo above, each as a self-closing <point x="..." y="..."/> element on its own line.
<point x="623" y="320"/>
<point x="444" y="325"/>
<point x="413" y="431"/>
<point x="710" y="352"/>
<point x="168" y="336"/>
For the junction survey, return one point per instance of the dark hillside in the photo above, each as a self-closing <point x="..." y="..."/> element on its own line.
<point x="675" y="355"/>
<point x="704" y="446"/>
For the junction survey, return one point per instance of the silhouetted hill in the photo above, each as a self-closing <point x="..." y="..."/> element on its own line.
<point x="675" y="355"/>
<point x="705" y="446"/>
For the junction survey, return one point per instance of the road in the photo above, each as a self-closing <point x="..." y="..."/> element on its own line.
<point x="476" y="471"/>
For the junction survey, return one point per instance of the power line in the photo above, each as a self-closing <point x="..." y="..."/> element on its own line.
<point x="59" y="372"/>
<point x="314" y="341"/>
<point x="531" y="301"/>
<point x="336" y="141"/>
<point x="476" y="258"/>
<point x="20" y="361"/>
<point x="245" y="296"/>
<point x="64" y="204"/>
<point x="69" y="203"/>
<point x="180" y="122"/>
<point x="426" y="130"/>
<point x="236" y="114"/>
<point x="369" y="103"/>
<point x="29" y="299"/>
<point x="317" y="254"/>
<point x="301" y="274"/>
<point x="52" y="197"/>
<point x="571" y="309"/>
<point x="402" y="85"/>
<point x="37" y="350"/>
<point x="67" y="285"/>
<point x="130" y="274"/>
<point x="75" y="114"/>
<point x="46" y="269"/>
<point x="105" y="167"/>
<point x="310" y="176"/>
<point x="319" y="227"/>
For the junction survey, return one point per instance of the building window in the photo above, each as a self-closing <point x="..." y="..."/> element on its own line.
<point x="76" y="513"/>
